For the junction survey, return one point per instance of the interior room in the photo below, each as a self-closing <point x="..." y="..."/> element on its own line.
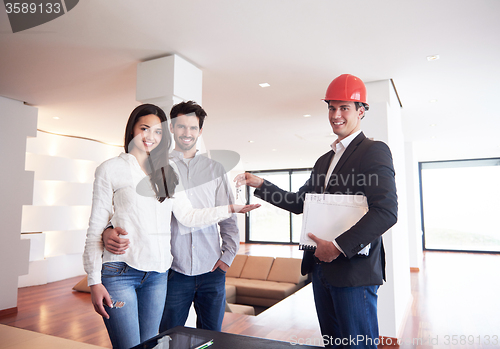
<point x="260" y="69"/>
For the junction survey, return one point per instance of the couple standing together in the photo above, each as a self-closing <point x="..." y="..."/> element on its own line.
<point x="147" y="194"/>
<point x="345" y="282"/>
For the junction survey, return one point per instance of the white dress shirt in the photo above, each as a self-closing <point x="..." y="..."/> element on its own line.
<point x="338" y="148"/>
<point x="143" y="217"/>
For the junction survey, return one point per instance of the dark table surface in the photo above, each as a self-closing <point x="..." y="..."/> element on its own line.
<point x="188" y="337"/>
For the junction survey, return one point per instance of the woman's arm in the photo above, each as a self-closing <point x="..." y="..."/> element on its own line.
<point x="102" y="210"/>
<point x="191" y="217"/>
<point x="99" y="294"/>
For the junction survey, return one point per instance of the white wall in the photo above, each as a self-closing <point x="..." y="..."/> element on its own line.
<point x="17" y="122"/>
<point x="57" y="222"/>
<point x="456" y="149"/>
<point x="414" y="209"/>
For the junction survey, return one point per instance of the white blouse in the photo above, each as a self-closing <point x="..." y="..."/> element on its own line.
<point x="143" y="217"/>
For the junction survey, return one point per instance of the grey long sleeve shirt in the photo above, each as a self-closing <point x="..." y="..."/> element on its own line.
<point x="196" y="250"/>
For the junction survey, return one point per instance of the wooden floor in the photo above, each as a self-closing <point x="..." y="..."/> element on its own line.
<point x="17" y="338"/>
<point x="455" y="297"/>
<point x="455" y="294"/>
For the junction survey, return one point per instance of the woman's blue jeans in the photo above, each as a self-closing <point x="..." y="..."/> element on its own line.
<point x="143" y="295"/>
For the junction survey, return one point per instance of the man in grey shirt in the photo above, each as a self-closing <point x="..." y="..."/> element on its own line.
<point x="200" y="261"/>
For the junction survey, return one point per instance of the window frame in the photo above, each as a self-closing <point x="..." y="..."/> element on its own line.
<point x="449" y="164"/>
<point x="247" y="216"/>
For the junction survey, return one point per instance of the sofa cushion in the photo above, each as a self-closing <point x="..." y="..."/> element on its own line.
<point x="257" y="267"/>
<point x="240" y="309"/>
<point x="82" y="286"/>
<point x="263" y="289"/>
<point x="237" y="266"/>
<point x="230" y="293"/>
<point x="231" y="280"/>
<point x="256" y="301"/>
<point x="237" y="281"/>
<point x="285" y="270"/>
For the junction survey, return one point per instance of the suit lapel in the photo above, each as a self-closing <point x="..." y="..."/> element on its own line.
<point x="322" y="170"/>
<point x="347" y="153"/>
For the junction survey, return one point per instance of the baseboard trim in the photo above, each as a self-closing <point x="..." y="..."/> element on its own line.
<point x="8" y="311"/>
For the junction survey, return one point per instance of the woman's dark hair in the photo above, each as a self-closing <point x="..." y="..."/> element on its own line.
<point x="162" y="176"/>
<point x="189" y="107"/>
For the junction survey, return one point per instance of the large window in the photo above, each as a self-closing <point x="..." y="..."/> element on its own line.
<point x="461" y="205"/>
<point x="270" y="223"/>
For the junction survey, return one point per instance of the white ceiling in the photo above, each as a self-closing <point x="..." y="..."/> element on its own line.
<point x="81" y="68"/>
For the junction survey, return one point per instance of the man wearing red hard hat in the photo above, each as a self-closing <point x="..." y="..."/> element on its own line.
<point x="347" y="270"/>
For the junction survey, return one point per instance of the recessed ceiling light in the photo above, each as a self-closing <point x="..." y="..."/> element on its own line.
<point x="332" y="134"/>
<point x="56" y="118"/>
<point x="433" y="58"/>
<point x="265" y="84"/>
<point x="274" y="149"/>
<point x="250" y="141"/>
<point x="432" y="125"/>
<point x="433" y="101"/>
<point x="307" y="116"/>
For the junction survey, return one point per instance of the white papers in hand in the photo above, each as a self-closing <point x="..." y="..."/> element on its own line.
<point x="329" y="215"/>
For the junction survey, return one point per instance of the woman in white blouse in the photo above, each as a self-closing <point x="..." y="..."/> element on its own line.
<point x="138" y="191"/>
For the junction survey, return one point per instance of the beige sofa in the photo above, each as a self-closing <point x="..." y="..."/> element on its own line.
<point x="253" y="280"/>
<point x="262" y="281"/>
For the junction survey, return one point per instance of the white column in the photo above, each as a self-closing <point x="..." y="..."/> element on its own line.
<point x="168" y="80"/>
<point x="383" y="122"/>
<point x="17" y="122"/>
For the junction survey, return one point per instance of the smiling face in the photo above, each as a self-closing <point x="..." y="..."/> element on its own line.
<point x="147" y="133"/>
<point x="186" y="130"/>
<point x="344" y="118"/>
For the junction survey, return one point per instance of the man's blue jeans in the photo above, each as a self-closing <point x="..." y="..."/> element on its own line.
<point x="208" y="293"/>
<point x="143" y="294"/>
<point x="347" y="315"/>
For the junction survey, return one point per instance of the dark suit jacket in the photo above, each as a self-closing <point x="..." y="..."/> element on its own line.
<point x="365" y="168"/>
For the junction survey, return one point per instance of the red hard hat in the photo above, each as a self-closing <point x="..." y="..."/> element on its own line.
<point x="346" y="87"/>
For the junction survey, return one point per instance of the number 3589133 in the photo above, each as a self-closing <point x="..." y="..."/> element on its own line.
<point x="25" y="7"/>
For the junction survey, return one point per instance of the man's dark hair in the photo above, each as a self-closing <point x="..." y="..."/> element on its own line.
<point x="359" y="105"/>
<point x="186" y="108"/>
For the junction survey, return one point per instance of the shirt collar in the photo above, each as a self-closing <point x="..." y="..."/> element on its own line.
<point x="180" y="155"/>
<point x="128" y="157"/>
<point x="345" y="142"/>
<point x="132" y="160"/>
